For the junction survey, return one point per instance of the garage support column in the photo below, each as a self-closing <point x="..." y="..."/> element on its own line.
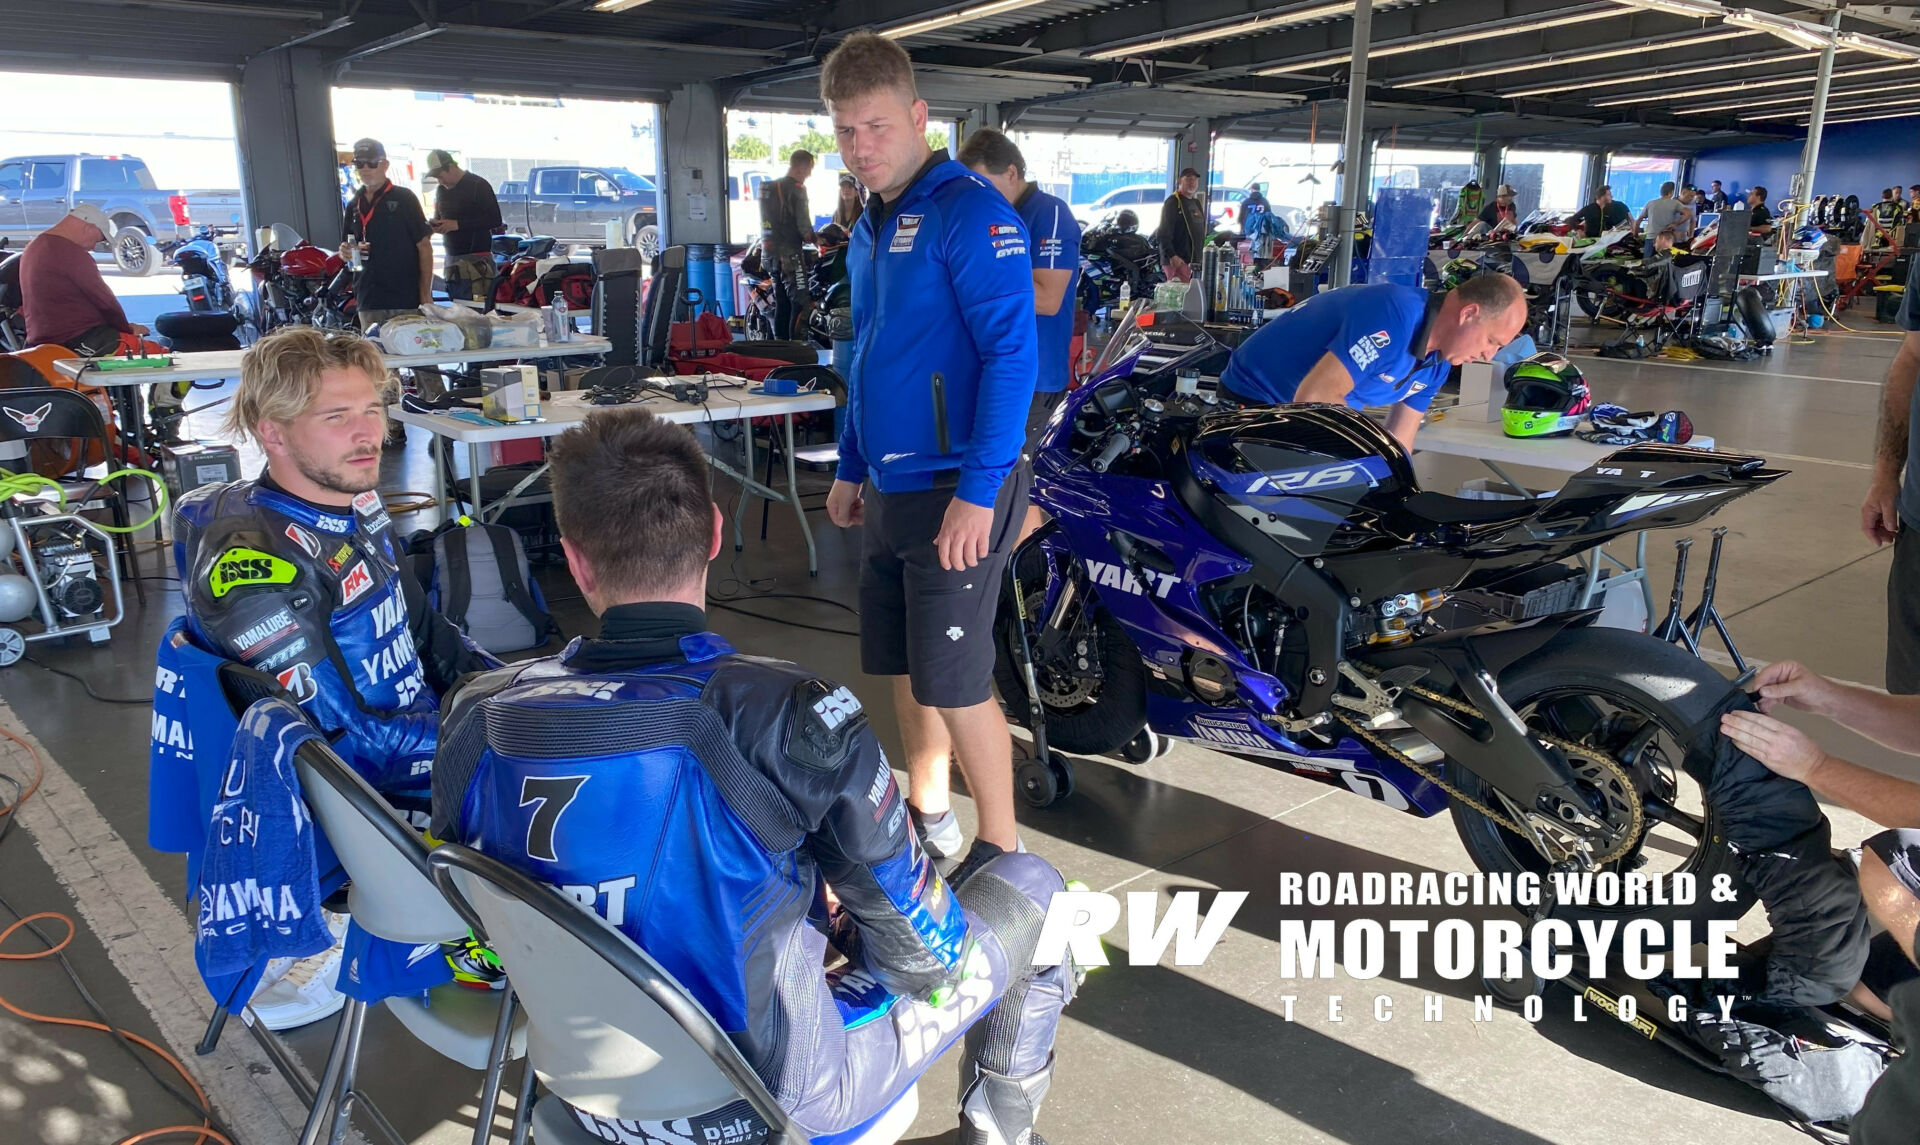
<point x="695" y="167"/>
<point x="1816" y="123"/>
<point x="1490" y="167"/>
<point x="283" y="110"/>
<point x="1353" y="141"/>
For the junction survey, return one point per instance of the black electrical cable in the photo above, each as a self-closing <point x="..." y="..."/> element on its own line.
<point x="779" y="619"/>
<point x="82" y="681"/>
<point x="93" y="1004"/>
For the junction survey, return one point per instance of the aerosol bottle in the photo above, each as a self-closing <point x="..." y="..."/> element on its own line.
<point x="1126" y="295"/>
<point x="562" y="321"/>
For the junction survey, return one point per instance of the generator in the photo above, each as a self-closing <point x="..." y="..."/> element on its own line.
<point x="188" y="466"/>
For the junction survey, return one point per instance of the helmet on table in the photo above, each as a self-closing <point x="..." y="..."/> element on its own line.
<point x="1546" y="397"/>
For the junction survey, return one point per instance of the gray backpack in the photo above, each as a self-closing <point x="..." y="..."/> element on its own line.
<point x="481" y="582"/>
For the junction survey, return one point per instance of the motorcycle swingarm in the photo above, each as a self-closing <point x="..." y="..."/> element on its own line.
<point x="1499" y="749"/>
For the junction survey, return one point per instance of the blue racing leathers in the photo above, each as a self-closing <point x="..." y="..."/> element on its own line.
<point x="701" y="801"/>
<point x="945" y="349"/>
<point x="317" y="598"/>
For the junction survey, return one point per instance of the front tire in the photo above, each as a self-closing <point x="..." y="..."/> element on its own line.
<point x="1637" y="696"/>
<point x="1085" y="715"/>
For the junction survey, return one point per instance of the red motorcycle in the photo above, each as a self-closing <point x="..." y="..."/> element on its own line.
<point x="297" y="283"/>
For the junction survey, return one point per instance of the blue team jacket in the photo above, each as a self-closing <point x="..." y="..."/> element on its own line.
<point x="945" y="350"/>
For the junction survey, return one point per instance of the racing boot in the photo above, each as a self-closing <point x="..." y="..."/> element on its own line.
<point x="1009" y="1053"/>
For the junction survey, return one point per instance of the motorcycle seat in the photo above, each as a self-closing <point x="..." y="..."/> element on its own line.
<point x="1442" y="509"/>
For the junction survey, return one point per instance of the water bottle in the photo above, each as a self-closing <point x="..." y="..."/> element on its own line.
<point x="1126" y="295"/>
<point x="562" y="321"/>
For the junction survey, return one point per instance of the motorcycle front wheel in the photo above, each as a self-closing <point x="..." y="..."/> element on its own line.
<point x="1090" y="710"/>
<point x="1652" y="707"/>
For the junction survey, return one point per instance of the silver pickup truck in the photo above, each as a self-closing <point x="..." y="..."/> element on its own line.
<point x="37" y="191"/>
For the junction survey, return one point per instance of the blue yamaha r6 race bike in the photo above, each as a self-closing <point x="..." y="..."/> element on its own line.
<point x="1268" y="583"/>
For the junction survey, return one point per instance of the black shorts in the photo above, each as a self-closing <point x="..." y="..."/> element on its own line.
<point x="921" y="621"/>
<point x="1037" y="414"/>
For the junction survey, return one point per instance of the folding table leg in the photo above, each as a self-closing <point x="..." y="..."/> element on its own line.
<point x="793" y="498"/>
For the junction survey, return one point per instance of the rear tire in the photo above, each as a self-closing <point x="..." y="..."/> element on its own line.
<point x="1630" y="673"/>
<point x="133" y="251"/>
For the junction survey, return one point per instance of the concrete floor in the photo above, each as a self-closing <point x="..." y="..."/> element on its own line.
<point x="1163" y="1053"/>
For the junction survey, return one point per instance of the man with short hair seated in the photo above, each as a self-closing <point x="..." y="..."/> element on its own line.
<point x="703" y="802"/>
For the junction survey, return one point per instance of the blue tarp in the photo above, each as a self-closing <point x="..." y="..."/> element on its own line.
<point x="1402" y="225"/>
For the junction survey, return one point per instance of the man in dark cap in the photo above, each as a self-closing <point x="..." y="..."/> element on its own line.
<point x="387" y="240"/>
<point x="1183" y="227"/>
<point x="466" y="215"/>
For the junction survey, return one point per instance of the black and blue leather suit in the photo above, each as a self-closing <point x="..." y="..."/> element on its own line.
<point x="701" y="801"/>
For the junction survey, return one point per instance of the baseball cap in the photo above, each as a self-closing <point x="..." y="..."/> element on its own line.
<point x="1186" y="171"/>
<point x="93" y="216"/>
<point x="437" y="161"/>
<point x="1503" y="189"/>
<point x="368" y="151"/>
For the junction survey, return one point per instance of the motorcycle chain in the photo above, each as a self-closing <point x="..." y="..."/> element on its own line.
<point x="1604" y="762"/>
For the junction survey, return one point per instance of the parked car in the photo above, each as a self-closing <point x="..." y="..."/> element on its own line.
<point x="575" y="204"/>
<point x="37" y="191"/>
<point x="1143" y="198"/>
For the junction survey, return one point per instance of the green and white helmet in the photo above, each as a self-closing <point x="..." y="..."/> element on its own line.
<point x="1546" y="396"/>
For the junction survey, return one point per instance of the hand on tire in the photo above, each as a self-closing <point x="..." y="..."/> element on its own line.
<point x="1794" y="684"/>
<point x="1785" y="750"/>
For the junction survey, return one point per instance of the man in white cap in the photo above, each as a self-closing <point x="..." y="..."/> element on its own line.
<point x="67" y="302"/>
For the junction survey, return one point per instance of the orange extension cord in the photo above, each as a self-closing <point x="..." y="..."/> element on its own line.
<point x="204" y="1132"/>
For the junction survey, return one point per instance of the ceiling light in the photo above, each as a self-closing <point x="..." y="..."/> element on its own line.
<point x="1689" y="93"/>
<point x="1442" y="41"/>
<point x="1878" y="46"/>
<point x="1579" y="58"/>
<point x="1676" y="7"/>
<point x="1797" y="32"/>
<point x="1799" y="99"/>
<point x="963" y="16"/>
<point x="616" y="5"/>
<point x="1807" y="113"/>
<point x="1660" y="74"/>
<point x="1221" y="32"/>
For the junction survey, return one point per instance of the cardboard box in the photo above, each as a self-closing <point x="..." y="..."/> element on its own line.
<point x="510" y="393"/>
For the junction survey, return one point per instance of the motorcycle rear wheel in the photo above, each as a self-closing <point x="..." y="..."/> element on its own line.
<point x="1610" y="687"/>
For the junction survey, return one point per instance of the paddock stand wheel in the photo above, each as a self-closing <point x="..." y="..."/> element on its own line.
<point x="1146" y="747"/>
<point x="1511" y="993"/>
<point x="1043" y="785"/>
<point x="12" y="646"/>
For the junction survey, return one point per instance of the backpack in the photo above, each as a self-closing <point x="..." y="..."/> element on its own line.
<point x="477" y="576"/>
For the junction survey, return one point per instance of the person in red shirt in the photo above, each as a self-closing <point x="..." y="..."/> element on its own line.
<point x="67" y="302"/>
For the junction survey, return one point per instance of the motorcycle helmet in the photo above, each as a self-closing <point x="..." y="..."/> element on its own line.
<point x="1126" y="222"/>
<point x="1546" y="397"/>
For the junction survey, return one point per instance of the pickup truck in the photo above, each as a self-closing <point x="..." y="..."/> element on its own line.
<point x="575" y="204"/>
<point x="37" y="191"/>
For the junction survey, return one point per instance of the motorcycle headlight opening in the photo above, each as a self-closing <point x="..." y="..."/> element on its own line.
<point x="1209" y="677"/>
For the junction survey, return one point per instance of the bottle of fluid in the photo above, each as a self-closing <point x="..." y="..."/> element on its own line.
<point x="1126" y="295"/>
<point x="562" y="321"/>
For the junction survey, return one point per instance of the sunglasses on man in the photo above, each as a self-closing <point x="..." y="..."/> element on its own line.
<point x="373" y="166"/>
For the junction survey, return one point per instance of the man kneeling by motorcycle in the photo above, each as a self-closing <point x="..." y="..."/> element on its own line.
<point x="1376" y="345"/>
<point x="713" y="798"/>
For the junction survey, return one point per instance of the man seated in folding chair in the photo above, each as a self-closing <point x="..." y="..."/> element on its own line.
<point x="703" y="801"/>
<point x="297" y="574"/>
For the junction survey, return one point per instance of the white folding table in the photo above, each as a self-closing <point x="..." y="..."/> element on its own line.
<point x="733" y="403"/>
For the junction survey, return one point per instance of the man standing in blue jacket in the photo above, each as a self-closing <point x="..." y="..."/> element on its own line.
<point x="941" y="379"/>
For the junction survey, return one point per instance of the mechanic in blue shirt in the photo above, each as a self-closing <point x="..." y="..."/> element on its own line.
<point x="1376" y="345"/>
<point x="1053" y="240"/>
<point x="938" y="388"/>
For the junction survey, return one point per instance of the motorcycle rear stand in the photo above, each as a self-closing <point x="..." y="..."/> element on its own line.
<point x="1688" y="632"/>
<point x="1042" y="776"/>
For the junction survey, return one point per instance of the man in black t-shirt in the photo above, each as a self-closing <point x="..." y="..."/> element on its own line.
<point x="388" y="233"/>
<point x="1501" y="212"/>
<point x="466" y="214"/>
<point x="1760" y="221"/>
<point x="1601" y="215"/>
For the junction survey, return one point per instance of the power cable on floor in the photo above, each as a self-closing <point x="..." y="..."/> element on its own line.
<point x="211" y="1129"/>
<point x="82" y="681"/>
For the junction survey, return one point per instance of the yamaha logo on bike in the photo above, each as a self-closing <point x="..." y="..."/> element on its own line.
<point x="1306" y="479"/>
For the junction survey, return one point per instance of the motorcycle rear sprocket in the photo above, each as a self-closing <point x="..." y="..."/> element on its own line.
<point x="1603" y="771"/>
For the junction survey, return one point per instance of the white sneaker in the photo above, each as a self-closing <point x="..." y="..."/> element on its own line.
<point x="307" y="991"/>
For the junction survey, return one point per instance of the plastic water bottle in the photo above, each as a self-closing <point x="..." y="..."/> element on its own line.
<point x="1126" y="295"/>
<point x="562" y="321"/>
